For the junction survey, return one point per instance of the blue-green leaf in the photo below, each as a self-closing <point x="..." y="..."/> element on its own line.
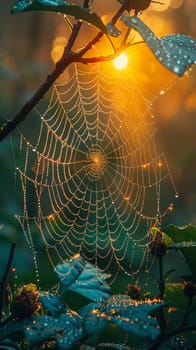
<point x="69" y="337"/>
<point x="53" y="303"/>
<point x="113" y="30"/>
<point x="40" y="328"/>
<point x="86" y="309"/>
<point x="176" y="52"/>
<point x="60" y="6"/>
<point x="80" y="276"/>
<point x="130" y="315"/>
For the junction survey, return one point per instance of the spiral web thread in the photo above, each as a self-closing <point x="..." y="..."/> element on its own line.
<point x="91" y="173"/>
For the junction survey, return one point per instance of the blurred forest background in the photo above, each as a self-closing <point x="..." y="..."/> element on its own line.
<point x="28" y="51"/>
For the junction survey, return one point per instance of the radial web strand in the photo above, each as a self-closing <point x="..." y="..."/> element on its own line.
<point x="92" y="177"/>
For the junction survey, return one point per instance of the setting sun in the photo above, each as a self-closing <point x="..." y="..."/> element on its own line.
<point x="120" y="62"/>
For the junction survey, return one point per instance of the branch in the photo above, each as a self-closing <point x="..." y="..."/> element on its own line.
<point x="33" y="101"/>
<point x="3" y="282"/>
<point x="67" y="58"/>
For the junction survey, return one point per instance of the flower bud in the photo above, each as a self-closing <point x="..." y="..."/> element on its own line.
<point x="157" y="246"/>
<point x="133" y="291"/>
<point x="26" y="302"/>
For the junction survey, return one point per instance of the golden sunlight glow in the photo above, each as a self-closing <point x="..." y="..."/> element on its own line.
<point x="97" y="159"/>
<point x="120" y="62"/>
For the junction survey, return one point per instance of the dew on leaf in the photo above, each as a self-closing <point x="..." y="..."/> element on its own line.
<point x="113" y="30"/>
<point x="21" y="5"/>
<point x="177" y="52"/>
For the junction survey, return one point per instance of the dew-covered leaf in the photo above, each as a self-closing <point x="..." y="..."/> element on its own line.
<point x="42" y="327"/>
<point x="183" y="245"/>
<point x="112" y="346"/>
<point x="186" y="237"/>
<point x="80" y="276"/>
<point x="69" y="337"/>
<point x="113" y="30"/>
<point x="60" y="6"/>
<point x="131" y="315"/>
<point x="53" y="303"/>
<point x="86" y="309"/>
<point x="95" y="320"/>
<point x="73" y="329"/>
<point x="176" y="52"/>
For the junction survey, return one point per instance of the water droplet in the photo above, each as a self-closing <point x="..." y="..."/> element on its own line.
<point x="113" y="30"/>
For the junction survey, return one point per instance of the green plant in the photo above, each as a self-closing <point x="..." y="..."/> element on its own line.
<point x="42" y="319"/>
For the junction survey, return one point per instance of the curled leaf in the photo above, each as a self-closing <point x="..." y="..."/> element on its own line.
<point x="181" y="245"/>
<point x="176" y="52"/>
<point x="80" y="276"/>
<point x="60" y="6"/>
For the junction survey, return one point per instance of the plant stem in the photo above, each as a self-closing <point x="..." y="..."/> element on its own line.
<point x="190" y="301"/>
<point x="161" y="284"/>
<point x="65" y="61"/>
<point x="3" y="281"/>
<point x="161" y="280"/>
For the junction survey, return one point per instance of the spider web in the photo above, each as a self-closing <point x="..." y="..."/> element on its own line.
<point x="91" y="174"/>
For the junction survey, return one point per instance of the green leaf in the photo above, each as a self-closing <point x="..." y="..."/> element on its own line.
<point x="53" y="303"/>
<point x="67" y="327"/>
<point x="130" y="315"/>
<point x="79" y="276"/>
<point x="176" y="302"/>
<point x="167" y="274"/>
<point x="59" y="6"/>
<point x="181" y="236"/>
<point x="41" y="328"/>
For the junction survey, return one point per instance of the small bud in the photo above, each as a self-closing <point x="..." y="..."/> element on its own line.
<point x="26" y="302"/>
<point x="157" y="246"/>
<point x="189" y="289"/>
<point x="133" y="291"/>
